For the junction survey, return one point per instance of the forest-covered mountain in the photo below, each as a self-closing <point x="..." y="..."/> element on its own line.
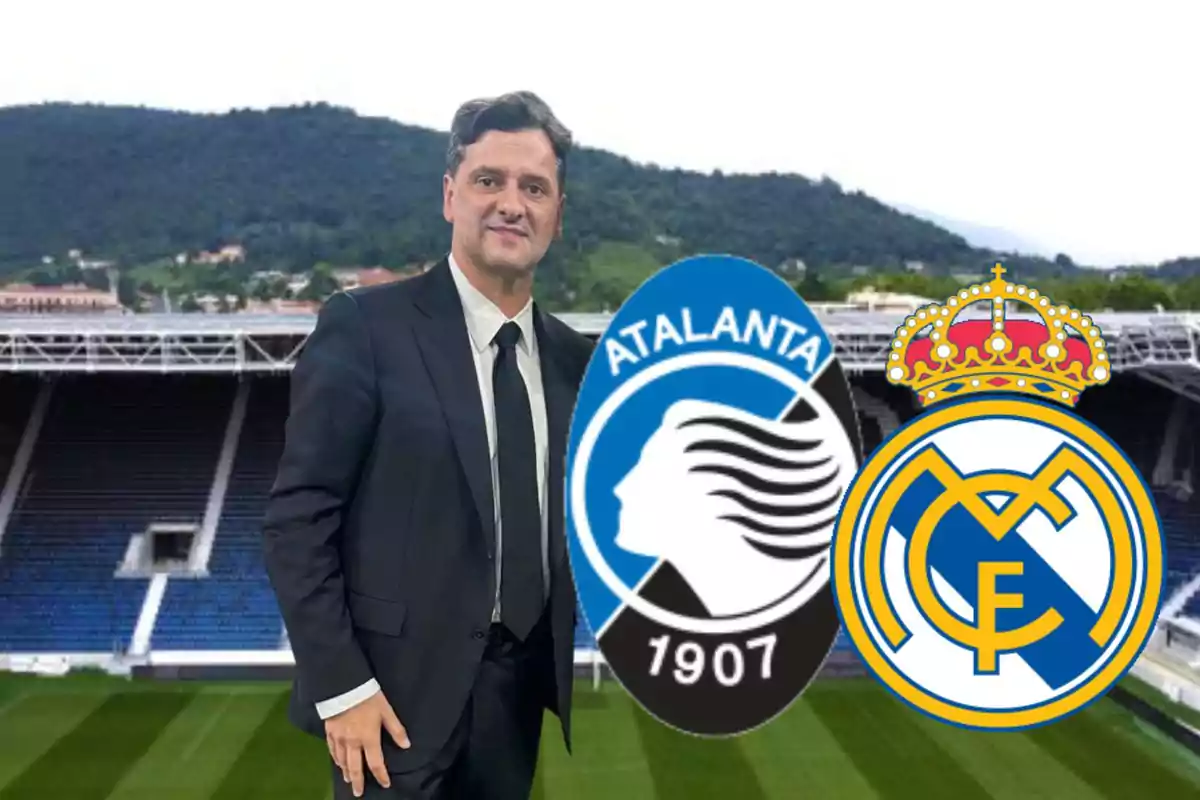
<point x="308" y="184"/>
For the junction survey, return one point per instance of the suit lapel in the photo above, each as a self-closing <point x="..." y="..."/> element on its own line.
<point x="560" y="399"/>
<point x="441" y="334"/>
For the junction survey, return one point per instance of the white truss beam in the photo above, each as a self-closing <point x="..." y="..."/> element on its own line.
<point x="224" y="352"/>
<point x="1164" y="348"/>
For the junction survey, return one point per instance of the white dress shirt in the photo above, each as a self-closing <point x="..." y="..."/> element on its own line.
<point x="484" y="319"/>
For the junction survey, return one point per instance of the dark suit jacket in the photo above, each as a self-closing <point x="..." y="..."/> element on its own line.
<point x="379" y="534"/>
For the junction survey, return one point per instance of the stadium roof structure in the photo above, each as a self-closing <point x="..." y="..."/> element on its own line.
<point x="1162" y="347"/>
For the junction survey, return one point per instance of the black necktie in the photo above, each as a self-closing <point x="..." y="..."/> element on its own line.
<point x="521" y="596"/>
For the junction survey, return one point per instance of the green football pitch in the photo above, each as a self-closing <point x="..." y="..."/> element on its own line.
<point x="101" y="738"/>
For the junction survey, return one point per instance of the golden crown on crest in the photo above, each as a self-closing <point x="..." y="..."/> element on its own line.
<point x="1056" y="354"/>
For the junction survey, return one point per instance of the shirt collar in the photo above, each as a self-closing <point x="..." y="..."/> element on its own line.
<point x="484" y="317"/>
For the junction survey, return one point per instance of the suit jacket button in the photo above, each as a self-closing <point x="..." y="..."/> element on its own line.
<point x="478" y="634"/>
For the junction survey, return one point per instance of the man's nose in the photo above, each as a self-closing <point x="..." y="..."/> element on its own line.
<point x="511" y="203"/>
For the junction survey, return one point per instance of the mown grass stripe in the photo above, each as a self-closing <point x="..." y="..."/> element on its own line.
<point x="1094" y="745"/>
<point x="193" y="754"/>
<point x="87" y="762"/>
<point x="607" y="760"/>
<point x="539" y="778"/>
<point x="9" y="690"/>
<point x="1157" y="699"/>
<point x="1008" y="764"/>
<point x="687" y="766"/>
<point x="278" y="761"/>
<point x="32" y="726"/>
<point x="889" y="747"/>
<point x="796" y="756"/>
<point x="1171" y="754"/>
<point x="9" y="702"/>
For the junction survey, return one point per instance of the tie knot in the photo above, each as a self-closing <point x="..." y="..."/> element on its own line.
<point x="508" y="335"/>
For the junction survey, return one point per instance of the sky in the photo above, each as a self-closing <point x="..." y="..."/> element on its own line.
<point x="1072" y="125"/>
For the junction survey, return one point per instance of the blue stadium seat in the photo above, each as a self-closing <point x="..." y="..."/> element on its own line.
<point x="119" y="452"/>
<point x="235" y="608"/>
<point x="115" y="454"/>
<point x="16" y="403"/>
<point x="584" y="638"/>
<point x="1180" y="523"/>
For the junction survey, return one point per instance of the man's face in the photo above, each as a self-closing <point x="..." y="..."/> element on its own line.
<point x="505" y="202"/>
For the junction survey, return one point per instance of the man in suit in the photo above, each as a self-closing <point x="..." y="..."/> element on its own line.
<point x="414" y="534"/>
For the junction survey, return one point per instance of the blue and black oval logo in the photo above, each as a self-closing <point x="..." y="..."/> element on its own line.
<point x="712" y="444"/>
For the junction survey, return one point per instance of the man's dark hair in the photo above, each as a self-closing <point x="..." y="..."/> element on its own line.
<point x="515" y="111"/>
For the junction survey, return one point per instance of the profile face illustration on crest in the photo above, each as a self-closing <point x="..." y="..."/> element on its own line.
<point x="998" y="561"/>
<point x="712" y="444"/>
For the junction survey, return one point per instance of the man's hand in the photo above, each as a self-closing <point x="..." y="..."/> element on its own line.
<point x="356" y="734"/>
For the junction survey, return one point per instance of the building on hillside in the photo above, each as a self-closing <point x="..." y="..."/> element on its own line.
<point x="792" y="268"/>
<point x="353" y="277"/>
<point x="229" y="253"/>
<point x="869" y="299"/>
<point x="298" y="283"/>
<point x="24" y="298"/>
<point x="281" y="306"/>
<point x="213" y="303"/>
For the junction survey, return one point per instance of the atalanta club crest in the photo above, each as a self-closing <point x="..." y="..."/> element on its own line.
<point x="712" y="444"/>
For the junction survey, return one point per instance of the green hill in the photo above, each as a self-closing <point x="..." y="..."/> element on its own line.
<point x="301" y="185"/>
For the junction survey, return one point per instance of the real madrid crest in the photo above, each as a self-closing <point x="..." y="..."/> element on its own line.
<point x="998" y="561"/>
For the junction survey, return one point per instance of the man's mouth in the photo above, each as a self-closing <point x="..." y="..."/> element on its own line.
<point x="507" y="230"/>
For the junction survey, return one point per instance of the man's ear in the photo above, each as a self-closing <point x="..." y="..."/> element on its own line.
<point x="448" y="197"/>
<point x="558" y="229"/>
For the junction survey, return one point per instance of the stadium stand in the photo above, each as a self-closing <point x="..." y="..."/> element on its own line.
<point x="115" y="453"/>
<point x="1181" y="520"/>
<point x="126" y="443"/>
<point x="233" y="608"/>
<point x="16" y="403"/>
